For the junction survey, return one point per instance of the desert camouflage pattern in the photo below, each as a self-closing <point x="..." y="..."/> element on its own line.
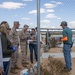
<point x="24" y="36"/>
<point x="15" y="40"/>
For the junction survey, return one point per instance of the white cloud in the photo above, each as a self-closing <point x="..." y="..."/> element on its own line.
<point x="58" y="18"/>
<point x="45" y="21"/>
<point x="72" y="24"/>
<point x="25" y="18"/>
<point x="49" y="5"/>
<point x="42" y="10"/>
<point x="53" y="27"/>
<point x="58" y="3"/>
<point x="48" y="26"/>
<point x="27" y="0"/>
<point x="52" y="4"/>
<point x="50" y="10"/>
<point x="35" y="11"/>
<point x="51" y="16"/>
<point x="45" y="26"/>
<point x="15" y="15"/>
<point x="52" y="1"/>
<point x="31" y="23"/>
<point x="11" y="5"/>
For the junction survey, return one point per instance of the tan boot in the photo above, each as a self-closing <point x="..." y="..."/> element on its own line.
<point x="24" y="65"/>
<point x="26" y="62"/>
<point x="16" y="67"/>
<point x="12" y="70"/>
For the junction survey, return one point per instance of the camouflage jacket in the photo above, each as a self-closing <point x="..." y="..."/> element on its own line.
<point x="14" y="36"/>
<point x="24" y="36"/>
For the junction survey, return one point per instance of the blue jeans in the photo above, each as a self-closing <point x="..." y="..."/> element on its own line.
<point x="6" y="67"/>
<point x="33" y="47"/>
<point x="67" y="55"/>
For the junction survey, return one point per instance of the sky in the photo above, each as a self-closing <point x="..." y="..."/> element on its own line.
<point x="52" y="12"/>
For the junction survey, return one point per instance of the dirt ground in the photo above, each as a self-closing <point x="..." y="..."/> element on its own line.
<point x="52" y="50"/>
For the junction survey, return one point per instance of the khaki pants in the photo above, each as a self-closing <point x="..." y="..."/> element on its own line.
<point x="14" y="59"/>
<point x="24" y="53"/>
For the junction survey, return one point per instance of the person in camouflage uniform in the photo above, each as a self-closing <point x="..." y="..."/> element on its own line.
<point x="15" y="42"/>
<point x="24" y="35"/>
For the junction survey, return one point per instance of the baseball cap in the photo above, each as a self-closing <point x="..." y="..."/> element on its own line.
<point x="63" y="23"/>
<point x="26" y="25"/>
<point x="16" y="22"/>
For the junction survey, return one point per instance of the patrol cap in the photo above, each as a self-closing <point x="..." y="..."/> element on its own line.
<point x="26" y="25"/>
<point x="3" y="22"/>
<point x="63" y="23"/>
<point x="16" y="22"/>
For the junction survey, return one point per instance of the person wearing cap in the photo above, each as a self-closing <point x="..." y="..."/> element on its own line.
<point x="24" y="35"/>
<point x="15" y="42"/>
<point x="67" y="43"/>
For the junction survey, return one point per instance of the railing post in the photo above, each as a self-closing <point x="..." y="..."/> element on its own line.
<point x="38" y="33"/>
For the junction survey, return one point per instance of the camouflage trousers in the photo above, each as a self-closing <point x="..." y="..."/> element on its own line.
<point x="14" y="59"/>
<point x="24" y="53"/>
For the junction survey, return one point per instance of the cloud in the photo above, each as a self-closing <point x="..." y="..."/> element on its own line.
<point x="53" y="27"/>
<point x="52" y="1"/>
<point x="58" y="3"/>
<point x="31" y="24"/>
<point x="45" y="26"/>
<point x="16" y="15"/>
<point x="58" y="18"/>
<point x="26" y="18"/>
<point x="35" y="11"/>
<point x="52" y="4"/>
<point x="11" y="5"/>
<point x="27" y="0"/>
<point x="72" y="24"/>
<point x="50" y="10"/>
<point x="45" y="21"/>
<point x="42" y="10"/>
<point x="49" y="5"/>
<point x="51" y="16"/>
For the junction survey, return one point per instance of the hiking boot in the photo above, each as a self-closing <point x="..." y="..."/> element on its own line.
<point x="26" y="62"/>
<point x="69" y="69"/>
<point x="24" y="65"/>
<point x="16" y="67"/>
<point x="32" y="62"/>
<point x="12" y="70"/>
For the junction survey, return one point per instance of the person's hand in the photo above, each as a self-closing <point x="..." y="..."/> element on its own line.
<point x="1" y="70"/>
<point x="34" y="38"/>
<point x="60" y="38"/>
<point x="26" y="38"/>
<point x="12" y="42"/>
